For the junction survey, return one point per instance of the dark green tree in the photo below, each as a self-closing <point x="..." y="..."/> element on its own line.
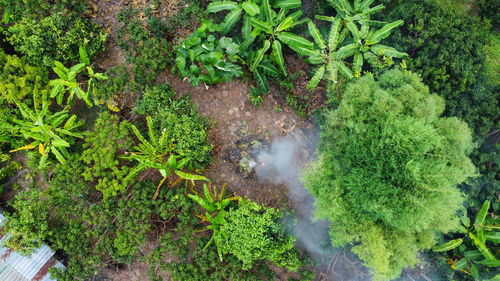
<point x="387" y="170"/>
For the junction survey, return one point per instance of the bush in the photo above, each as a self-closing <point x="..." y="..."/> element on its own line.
<point x="56" y="37"/>
<point x="186" y="129"/>
<point x="149" y="55"/>
<point x="387" y="170"/>
<point x="18" y="79"/>
<point x="14" y="11"/>
<point x="103" y="145"/>
<point x="254" y="232"/>
<point x="445" y="49"/>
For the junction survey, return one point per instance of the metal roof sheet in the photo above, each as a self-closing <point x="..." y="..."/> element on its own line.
<point x="16" y="267"/>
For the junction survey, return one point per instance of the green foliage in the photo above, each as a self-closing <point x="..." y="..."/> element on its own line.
<point x="254" y="232"/>
<point x="56" y="37"/>
<point x="477" y="251"/>
<point x="351" y="35"/>
<point x="492" y="49"/>
<point x="67" y="80"/>
<point x="47" y="130"/>
<point x="180" y="122"/>
<point x="264" y="30"/>
<point x="17" y="78"/>
<point x="109" y="139"/>
<point x="387" y="170"/>
<point x="148" y="55"/>
<point x="160" y="154"/>
<point x="490" y="10"/>
<point x="7" y="170"/>
<point x="14" y="11"/>
<point x="118" y="85"/>
<point x="28" y="227"/>
<point x="444" y="48"/>
<point x="215" y="55"/>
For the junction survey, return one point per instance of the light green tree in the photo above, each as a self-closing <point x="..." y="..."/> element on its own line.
<point x="387" y="170"/>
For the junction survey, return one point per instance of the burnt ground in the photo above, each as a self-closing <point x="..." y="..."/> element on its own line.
<point x="236" y="123"/>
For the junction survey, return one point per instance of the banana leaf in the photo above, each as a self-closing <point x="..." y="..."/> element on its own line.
<point x="316" y="78"/>
<point x="218" y="6"/>
<point x="278" y="56"/>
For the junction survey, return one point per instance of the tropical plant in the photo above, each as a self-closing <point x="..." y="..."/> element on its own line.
<point x="479" y="247"/>
<point x="46" y="129"/>
<point x="267" y="30"/>
<point x="67" y="80"/>
<point x="352" y="34"/>
<point x="215" y="206"/>
<point x="158" y="154"/>
<point x="186" y="129"/>
<point x="204" y="58"/>
<point x="387" y="170"/>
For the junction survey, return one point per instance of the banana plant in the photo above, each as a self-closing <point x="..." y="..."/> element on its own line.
<point x="267" y="28"/>
<point x="46" y="129"/>
<point x="67" y="83"/>
<point x="158" y="153"/>
<point x="479" y="246"/>
<point x="351" y="34"/>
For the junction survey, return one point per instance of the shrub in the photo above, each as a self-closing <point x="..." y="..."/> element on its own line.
<point x="387" y="170"/>
<point x="148" y="55"/>
<point x="14" y="11"/>
<point x="445" y="49"/>
<point x="254" y="232"/>
<point x="104" y="144"/>
<point x="56" y="37"/>
<point x="18" y="79"/>
<point x="185" y="128"/>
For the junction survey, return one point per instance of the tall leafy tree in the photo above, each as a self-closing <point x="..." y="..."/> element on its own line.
<point x="387" y="170"/>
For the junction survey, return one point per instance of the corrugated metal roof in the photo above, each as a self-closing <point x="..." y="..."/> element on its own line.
<point x="15" y="267"/>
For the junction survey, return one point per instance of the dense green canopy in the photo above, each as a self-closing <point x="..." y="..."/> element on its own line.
<point x="387" y="170"/>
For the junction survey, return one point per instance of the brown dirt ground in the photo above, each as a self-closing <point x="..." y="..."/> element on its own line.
<point x="230" y="110"/>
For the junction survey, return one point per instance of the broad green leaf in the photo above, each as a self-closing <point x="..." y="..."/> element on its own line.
<point x="84" y="57"/>
<point x="60" y="142"/>
<point x="473" y="254"/>
<point x="74" y="70"/>
<point x="58" y="155"/>
<point x="495" y="278"/>
<point x="230" y="20"/>
<point x="190" y="177"/>
<point x="344" y="70"/>
<point x="357" y="62"/>
<point x="474" y="272"/>
<point x="142" y="139"/>
<point x="490" y="263"/>
<point x="61" y="73"/>
<point x="356" y="4"/>
<point x="450" y="245"/>
<point x="261" y="25"/>
<point x="269" y="69"/>
<point x="334" y="36"/>
<point x="299" y="22"/>
<point x="246" y="29"/>
<point x="278" y="56"/>
<point x="296" y="15"/>
<point x="325" y="18"/>
<point x="306" y="51"/>
<point x="368" y="12"/>
<point x="383" y="32"/>
<point x="365" y="4"/>
<point x="56" y="90"/>
<point x="260" y="55"/>
<point x="482" y="247"/>
<point x="347" y="51"/>
<point x="332" y="71"/>
<point x="354" y="29"/>
<point x="315" y="60"/>
<point x="152" y="136"/>
<point x="461" y="264"/>
<point x="492" y="236"/>
<point x="383" y="50"/>
<point x="218" y="6"/>
<point x="251" y="8"/>
<point x="481" y="216"/>
<point x="268" y="13"/>
<point x="261" y="81"/>
<point x="294" y="40"/>
<point x="344" y="5"/>
<point x="287" y="4"/>
<point x="316" y="34"/>
<point x="285" y="24"/>
<point x="316" y="78"/>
